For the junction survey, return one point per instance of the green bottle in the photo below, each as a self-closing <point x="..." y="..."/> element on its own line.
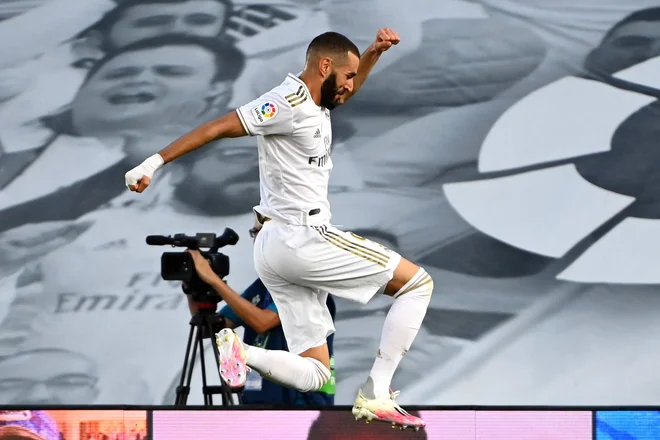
<point x="330" y="386"/>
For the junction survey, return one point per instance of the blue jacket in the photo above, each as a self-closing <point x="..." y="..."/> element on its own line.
<point x="260" y="391"/>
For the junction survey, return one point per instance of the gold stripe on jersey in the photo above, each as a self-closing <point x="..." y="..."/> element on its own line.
<point x="295" y="99"/>
<point x="298" y="102"/>
<point x="298" y="94"/>
<point x="354" y="248"/>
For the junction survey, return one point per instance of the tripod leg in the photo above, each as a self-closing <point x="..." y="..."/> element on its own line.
<point x="192" y="358"/>
<point x="184" y="387"/>
<point x="208" y="397"/>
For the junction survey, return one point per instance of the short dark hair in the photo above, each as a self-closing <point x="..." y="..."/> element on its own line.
<point x="229" y="60"/>
<point x="649" y="14"/>
<point x="332" y="43"/>
<point x="112" y="17"/>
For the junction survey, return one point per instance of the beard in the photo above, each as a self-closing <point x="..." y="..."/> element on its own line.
<point x="329" y="91"/>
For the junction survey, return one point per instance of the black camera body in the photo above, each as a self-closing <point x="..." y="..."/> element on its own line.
<point x="179" y="266"/>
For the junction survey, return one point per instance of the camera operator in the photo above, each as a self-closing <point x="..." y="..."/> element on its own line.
<point x="257" y="313"/>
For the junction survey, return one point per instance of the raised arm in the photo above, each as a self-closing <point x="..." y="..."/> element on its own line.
<point x="385" y="39"/>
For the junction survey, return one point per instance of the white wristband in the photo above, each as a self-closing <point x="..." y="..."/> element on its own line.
<point x="152" y="163"/>
<point x="145" y="169"/>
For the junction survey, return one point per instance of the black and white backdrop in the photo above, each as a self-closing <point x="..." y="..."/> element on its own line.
<point x="508" y="146"/>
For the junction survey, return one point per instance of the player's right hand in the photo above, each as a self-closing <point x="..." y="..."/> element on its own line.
<point x="139" y="178"/>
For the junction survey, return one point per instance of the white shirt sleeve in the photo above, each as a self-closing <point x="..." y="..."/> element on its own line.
<point x="270" y="114"/>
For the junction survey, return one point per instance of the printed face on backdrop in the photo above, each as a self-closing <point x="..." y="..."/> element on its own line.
<point x="144" y="90"/>
<point x="627" y="45"/>
<point x="203" y="18"/>
<point x="48" y="376"/>
<point x="223" y="179"/>
<point x="22" y="245"/>
<point x="460" y="61"/>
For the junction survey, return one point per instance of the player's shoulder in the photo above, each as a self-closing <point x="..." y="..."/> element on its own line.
<point x="291" y="93"/>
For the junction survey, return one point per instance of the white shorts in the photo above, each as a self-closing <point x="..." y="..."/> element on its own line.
<point x="300" y="265"/>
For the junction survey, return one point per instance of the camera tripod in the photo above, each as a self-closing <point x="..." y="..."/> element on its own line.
<point x="204" y="325"/>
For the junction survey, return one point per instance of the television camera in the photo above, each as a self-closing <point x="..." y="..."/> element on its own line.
<point x="179" y="266"/>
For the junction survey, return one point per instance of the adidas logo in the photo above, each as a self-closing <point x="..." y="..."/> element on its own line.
<point x="317" y="135"/>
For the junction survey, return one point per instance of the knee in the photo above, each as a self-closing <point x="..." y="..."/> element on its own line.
<point x="425" y="285"/>
<point x="318" y="376"/>
<point x="419" y="286"/>
<point x="431" y="284"/>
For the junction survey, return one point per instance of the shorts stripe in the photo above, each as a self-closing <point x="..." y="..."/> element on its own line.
<point x="345" y="245"/>
<point x="360" y="251"/>
<point x="358" y="244"/>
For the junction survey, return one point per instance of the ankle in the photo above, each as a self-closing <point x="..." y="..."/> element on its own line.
<point x="372" y="389"/>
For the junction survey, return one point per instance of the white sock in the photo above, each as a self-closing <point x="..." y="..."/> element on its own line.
<point x="402" y="323"/>
<point x="288" y="369"/>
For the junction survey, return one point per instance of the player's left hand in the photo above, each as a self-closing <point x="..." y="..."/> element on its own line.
<point x="202" y="267"/>
<point x="386" y="38"/>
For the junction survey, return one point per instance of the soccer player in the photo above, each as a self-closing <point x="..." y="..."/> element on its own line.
<point x="298" y="255"/>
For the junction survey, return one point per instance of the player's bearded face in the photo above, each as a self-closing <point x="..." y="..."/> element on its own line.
<point x="329" y="92"/>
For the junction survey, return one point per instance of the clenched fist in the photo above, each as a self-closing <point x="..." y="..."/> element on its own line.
<point x="385" y="39"/>
<point x="139" y="178"/>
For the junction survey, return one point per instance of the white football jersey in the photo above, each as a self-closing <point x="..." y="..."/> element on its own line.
<point x="294" y="139"/>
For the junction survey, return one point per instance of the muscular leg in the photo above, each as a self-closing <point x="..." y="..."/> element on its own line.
<point x="321" y="354"/>
<point x="411" y="287"/>
<point x="336" y="263"/>
<point x="303" y="368"/>
<point x="403" y="273"/>
<point x="306" y="372"/>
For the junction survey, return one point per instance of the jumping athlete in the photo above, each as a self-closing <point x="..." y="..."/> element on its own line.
<point x="299" y="255"/>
